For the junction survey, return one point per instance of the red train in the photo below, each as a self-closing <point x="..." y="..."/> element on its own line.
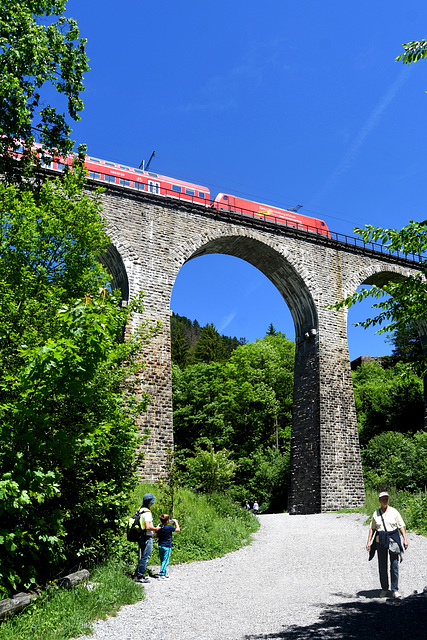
<point x="226" y="202"/>
<point x="137" y="179"/>
<point x="151" y="182"/>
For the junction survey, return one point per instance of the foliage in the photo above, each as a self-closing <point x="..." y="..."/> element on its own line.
<point x="191" y="343"/>
<point x="209" y="346"/>
<point x="407" y="298"/>
<point x="60" y="614"/>
<point x="406" y="343"/>
<point x="393" y="459"/>
<point x="67" y="428"/>
<point x="414" y="51"/>
<point x="385" y="400"/>
<point x="37" y="53"/>
<point x="210" y="470"/>
<point x="264" y="476"/>
<point x="242" y="405"/>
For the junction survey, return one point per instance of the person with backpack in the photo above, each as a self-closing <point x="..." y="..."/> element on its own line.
<point x="145" y="542"/>
<point x="164" y="536"/>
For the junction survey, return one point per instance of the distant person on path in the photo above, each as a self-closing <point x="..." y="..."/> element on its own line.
<point x="255" y="507"/>
<point x="247" y="506"/>
<point x="384" y="538"/>
<point x="146" y="542"/>
<point x="164" y="536"/>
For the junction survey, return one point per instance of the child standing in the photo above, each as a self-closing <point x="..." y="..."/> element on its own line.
<point x="164" y="536"/>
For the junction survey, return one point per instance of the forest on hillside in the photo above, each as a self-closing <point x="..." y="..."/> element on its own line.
<point x="233" y="414"/>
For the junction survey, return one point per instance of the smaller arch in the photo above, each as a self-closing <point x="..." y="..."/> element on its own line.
<point x="113" y="262"/>
<point x="382" y="278"/>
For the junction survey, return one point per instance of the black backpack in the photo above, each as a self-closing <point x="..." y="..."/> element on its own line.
<point x="135" y="526"/>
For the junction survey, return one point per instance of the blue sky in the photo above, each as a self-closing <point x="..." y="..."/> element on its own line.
<point x="281" y="102"/>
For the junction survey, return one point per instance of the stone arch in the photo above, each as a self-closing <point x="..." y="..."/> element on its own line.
<point x="292" y="280"/>
<point x="277" y="267"/>
<point x="113" y="262"/>
<point x="380" y="275"/>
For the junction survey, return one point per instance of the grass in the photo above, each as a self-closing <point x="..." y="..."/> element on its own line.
<point x="412" y="507"/>
<point x="210" y="527"/>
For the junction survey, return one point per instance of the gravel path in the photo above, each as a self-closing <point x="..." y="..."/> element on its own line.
<point x="302" y="577"/>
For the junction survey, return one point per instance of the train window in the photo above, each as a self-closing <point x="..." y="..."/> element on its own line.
<point x="322" y="223"/>
<point x="202" y="195"/>
<point x="138" y="171"/>
<point x="109" y="164"/>
<point x="47" y="162"/>
<point x="225" y="198"/>
<point x="108" y="178"/>
<point x="124" y="183"/>
<point x="153" y="187"/>
<point x="140" y="186"/>
<point x="153" y="174"/>
<point x="95" y="175"/>
<point x="95" y="160"/>
<point x="60" y="166"/>
<point x="176" y="188"/>
<point x="122" y="167"/>
<point x="190" y="192"/>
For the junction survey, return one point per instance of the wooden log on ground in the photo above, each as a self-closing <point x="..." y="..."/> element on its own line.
<point x="73" y="578"/>
<point x="15" y="604"/>
<point x="21" y="600"/>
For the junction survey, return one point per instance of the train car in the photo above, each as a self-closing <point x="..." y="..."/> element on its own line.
<point x="227" y="202"/>
<point x="137" y="179"/>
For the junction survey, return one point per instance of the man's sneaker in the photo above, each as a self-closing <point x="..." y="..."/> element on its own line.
<point x="383" y="594"/>
<point x="396" y="594"/>
<point x="142" y="580"/>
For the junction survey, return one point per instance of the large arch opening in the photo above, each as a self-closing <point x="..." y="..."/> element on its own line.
<point x="267" y="272"/>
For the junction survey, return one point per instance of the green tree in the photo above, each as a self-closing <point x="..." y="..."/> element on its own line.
<point x="180" y="347"/>
<point x="210" y="470"/>
<point x="37" y="54"/>
<point x="406" y="344"/>
<point x="386" y="400"/>
<point x="209" y="347"/>
<point x="242" y="405"/>
<point x="271" y="330"/>
<point x="67" y="411"/>
<point x="393" y="459"/>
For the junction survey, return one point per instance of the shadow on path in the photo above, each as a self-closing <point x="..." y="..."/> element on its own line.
<point x="386" y="619"/>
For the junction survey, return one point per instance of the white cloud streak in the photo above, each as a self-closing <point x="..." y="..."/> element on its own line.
<point x="366" y="130"/>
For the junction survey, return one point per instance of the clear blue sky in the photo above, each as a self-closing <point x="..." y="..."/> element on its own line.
<point x="283" y="102"/>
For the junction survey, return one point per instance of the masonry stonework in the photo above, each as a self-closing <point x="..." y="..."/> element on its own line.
<point x="152" y="237"/>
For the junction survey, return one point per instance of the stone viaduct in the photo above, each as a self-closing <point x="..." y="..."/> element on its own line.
<point x="152" y="237"/>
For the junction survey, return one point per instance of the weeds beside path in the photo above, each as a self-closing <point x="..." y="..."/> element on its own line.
<point x="302" y="577"/>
